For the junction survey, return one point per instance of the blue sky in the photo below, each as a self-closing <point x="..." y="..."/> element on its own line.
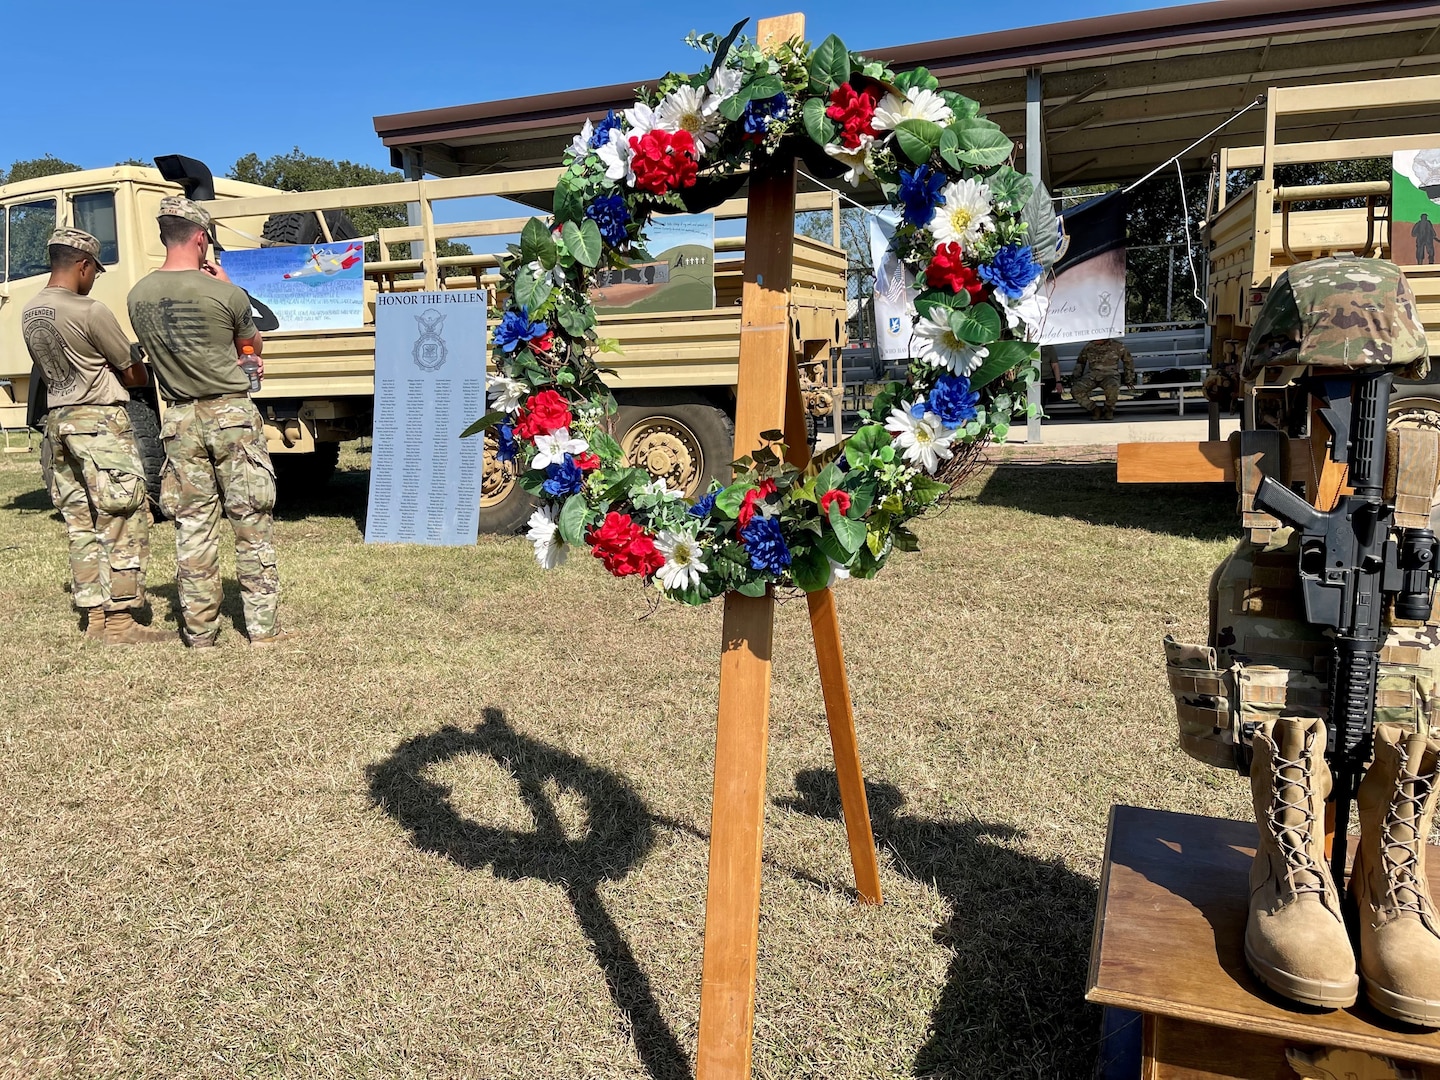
<point x="96" y="82"/>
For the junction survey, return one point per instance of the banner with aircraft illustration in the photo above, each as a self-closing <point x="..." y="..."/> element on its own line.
<point x="302" y="286"/>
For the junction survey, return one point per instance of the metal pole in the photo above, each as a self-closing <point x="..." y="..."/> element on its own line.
<point x="1169" y="282"/>
<point x="1034" y="145"/>
<point x="414" y="168"/>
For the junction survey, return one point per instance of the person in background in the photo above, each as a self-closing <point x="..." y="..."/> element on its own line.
<point x="1098" y="368"/>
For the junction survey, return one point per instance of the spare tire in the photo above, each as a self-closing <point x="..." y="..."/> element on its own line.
<point x="145" y="422"/>
<point x="304" y="227"/>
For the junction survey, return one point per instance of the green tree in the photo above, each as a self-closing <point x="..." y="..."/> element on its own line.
<point x="32" y="168"/>
<point x="299" y="171"/>
<point x="855" y="240"/>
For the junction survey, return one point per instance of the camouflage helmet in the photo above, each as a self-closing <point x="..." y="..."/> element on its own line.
<point x="1343" y="311"/>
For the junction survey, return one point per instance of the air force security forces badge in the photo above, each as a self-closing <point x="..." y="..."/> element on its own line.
<point x="429" y="351"/>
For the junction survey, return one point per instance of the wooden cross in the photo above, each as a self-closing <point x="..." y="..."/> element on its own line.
<point x="767" y="399"/>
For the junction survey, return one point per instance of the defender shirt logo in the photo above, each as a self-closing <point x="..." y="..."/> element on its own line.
<point x="48" y="348"/>
<point x="429" y="351"/>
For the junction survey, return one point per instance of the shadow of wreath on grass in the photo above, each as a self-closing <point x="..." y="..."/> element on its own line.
<point x="1013" y="1002"/>
<point x="621" y="832"/>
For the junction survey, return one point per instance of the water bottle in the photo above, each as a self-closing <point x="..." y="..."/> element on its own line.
<point x="251" y="366"/>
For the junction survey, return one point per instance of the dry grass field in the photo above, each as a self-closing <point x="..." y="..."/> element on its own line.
<point x="459" y="828"/>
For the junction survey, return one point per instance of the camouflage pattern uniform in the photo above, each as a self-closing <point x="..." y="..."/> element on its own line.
<point x="1098" y="367"/>
<point x="216" y="460"/>
<point x="98" y="481"/>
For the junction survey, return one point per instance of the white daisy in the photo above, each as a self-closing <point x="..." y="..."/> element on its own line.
<point x="964" y="214"/>
<point x="935" y="343"/>
<point x="724" y="83"/>
<point x="641" y="119"/>
<point x="858" y="159"/>
<point x="580" y="145"/>
<point x="1028" y="310"/>
<point x="925" y="442"/>
<point x="506" y="394"/>
<point x="551" y="449"/>
<point x="917" y="104"/>
<point x="683" y="566"/>
<point x="615" y="155"/>
<point x="659" y="487"/>
<point x="692" y="110"/>
<point x="550" y="550"/>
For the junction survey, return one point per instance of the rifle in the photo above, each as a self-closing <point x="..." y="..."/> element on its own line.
<point x="1353" y="563"/>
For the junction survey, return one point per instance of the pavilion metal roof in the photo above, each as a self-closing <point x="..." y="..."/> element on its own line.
<point x="1120" y="93"/>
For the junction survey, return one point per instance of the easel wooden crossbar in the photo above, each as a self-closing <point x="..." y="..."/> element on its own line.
<point x="767" y="399"/>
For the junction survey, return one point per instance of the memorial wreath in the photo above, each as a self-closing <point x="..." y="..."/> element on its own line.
<point x="975" y="234"/>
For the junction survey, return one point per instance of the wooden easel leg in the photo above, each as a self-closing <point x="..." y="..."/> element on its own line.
<point x="737" y="823"/>
<point x="830" y="658"/>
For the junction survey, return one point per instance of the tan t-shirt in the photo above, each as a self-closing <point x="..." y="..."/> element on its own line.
<point x="188" y="322"/>
<point x="78" y="344"/>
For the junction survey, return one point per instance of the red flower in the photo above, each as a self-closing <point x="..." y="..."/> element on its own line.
<point x="663" y="161"/>
<point x="543" y="342"/>
<point x="587" y="462"/>
<point x="753" y="496"/>
<point x="542" y="414"/>
<point x="835" y="497"/>
<point x="624" y="547"/>
<point x="948" y="271"/>
<point x="856" y="113"/>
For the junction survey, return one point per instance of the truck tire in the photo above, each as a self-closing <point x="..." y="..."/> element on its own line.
<point x="504" y="505"/>
<point x="303" y="228"/>
<point x="145" y="423"/>
<point x="47" y="461"/>
<point x="298" y="475"/>
<point x="685" y="442"/>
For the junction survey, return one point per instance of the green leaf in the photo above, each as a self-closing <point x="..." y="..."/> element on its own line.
<point x="950" y="147"/>
<point x="610" y="344"/>
<point x="920" y="77"/>
<point x="535" y="243"/>
<point x="829" y="65"/>
<point x="978" y="324"/>
<point x="918" y="138"/>
<point x="983" y="144"/>
<point x="576" y="320"/>
<point x="868" y="439"/>
<point x="1004" y="355"/>
<point x="927" y="490"/>
<point x="583" y="241"/>
<point x="753" y="588"/>
<point x="1010" y="189"/>
<point x="490" y="419"/>
<point x="531" y="291"/>
<point x="572" y="520"/>
<point x="729" y="500"/>
<point x="878" y="534"/>
<point x="830" y="546"/>
<point x="810" y="569"/>
<point x="941" y="298"/>
<point x="862" y="498"/>
<point x="827" y="478"/>
<point x="963" y="107"/>
<point x="818" y="126"/>
<point x="733" y="107"/>
<point x="850" y="533"/>
<point x="533" y="481"/>
<point x="569" y="206"/>
<point x="605" y="447"/>
<point x="905" y="540"/>
<point x="1042" y="228"/>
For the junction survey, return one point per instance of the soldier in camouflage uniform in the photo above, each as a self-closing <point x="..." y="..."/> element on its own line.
<point x="193" y="323"/>
<point x="1098" y="367"/>
<point x="98" y="481"/>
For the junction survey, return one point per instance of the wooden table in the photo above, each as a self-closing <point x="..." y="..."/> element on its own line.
<point x="1169" y="944"/>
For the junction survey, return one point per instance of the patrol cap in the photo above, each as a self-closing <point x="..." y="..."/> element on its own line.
<point x="181" y="207"/>
<point x="79" y="240"/>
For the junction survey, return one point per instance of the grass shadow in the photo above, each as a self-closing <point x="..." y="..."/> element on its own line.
<point x="231" y="607"/>
<point x="1013" y="1002"/>
<point x="345" y="495"/>
<point x="1092" y="494"/>
<point x="35" y="500"/>
<point x="621" y="833"/>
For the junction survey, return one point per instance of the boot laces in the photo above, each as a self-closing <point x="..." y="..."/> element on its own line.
<point x="1293" y="778"/>
<point x="1401" y="854"/>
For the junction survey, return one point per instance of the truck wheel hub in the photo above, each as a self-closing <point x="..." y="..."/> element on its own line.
<point x="666" y="449"/>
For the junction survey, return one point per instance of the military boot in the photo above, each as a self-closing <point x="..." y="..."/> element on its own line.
<point x="95" y="624"/>
<point x="1295" y="939"/>
<point x="122" y="629"/>
<point x="1399" y="930"/>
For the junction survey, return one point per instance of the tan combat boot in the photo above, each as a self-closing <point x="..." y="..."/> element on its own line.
<point x="1399" y="931"/>
<point x="122" y="629"/>
<point x="1295" y="939"/>
<point x="95" y="624"/>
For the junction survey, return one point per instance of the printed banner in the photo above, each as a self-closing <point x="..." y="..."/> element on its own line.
<point x="1414" y="209"/>
<point x="1087" y="300"/>
<point x="679" y="275"/>
<point x="429" y="387"/>
<point x="895" y="293"/>
<point x="302" y="287"/>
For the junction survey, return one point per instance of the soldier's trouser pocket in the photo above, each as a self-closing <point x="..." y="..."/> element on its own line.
<point x="252" y="487"/>
<point x="1202" y="695"/>
<point x="118" y="483"/>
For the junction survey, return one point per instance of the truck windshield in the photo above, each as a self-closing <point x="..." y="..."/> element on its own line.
<point x="95" y="213"/>
<point x="29" y="226"/>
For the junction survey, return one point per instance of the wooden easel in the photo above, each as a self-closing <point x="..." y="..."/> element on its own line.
<point x="767" y="399"/>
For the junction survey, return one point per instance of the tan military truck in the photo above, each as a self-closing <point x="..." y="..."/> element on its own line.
<point x="674" y="377"/>
<point x="1254" y="236"/>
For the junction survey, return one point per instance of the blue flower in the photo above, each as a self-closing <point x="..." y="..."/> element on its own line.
<point x="506" y="447"/>
<point x="766" y="546"/>
<point x="953" y="401"/>
<point x="920" y="192"/>
<point x="563" y="478"/>
<point x="516" y="327"/>
<point x="919" y="409"/>
<point x="602" y="130"/>
<point x="759" y="114"/>
<point x="612" y="215"/>
<point x="1012" y="271"/>
<point x="704" y="505"/>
